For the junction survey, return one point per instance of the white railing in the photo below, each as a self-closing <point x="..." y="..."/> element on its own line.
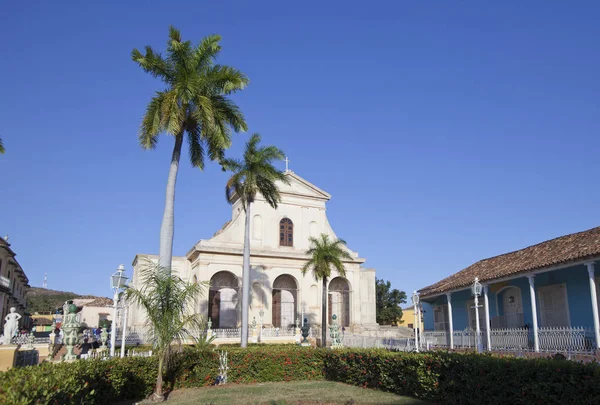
<point x="551" y="340"/>
<point x="511" y="340"/>
<point x="369" y="342"/>
<point x="567" y="340"/>
<point x="227" y="333"/>
<point x="278" y="332"/>
<point x="4" y="282"/>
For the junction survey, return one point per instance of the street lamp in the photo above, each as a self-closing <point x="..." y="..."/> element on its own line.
<point x="117" y="282"/>
<point x="415" y="301"/>
<point x="476" y="291"/>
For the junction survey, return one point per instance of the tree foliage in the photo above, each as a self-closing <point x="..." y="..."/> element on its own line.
<point x="194" y="100"/>
<point x="325" y="255"/>
<point x="194" y="103"/>
<point x="255" y="173"/>
<point x="168" y="303"/>
<point x="388" y="302"/>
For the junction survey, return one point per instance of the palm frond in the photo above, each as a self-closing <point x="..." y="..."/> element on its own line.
<point x="153" y="63"/>
<point x="166" y="300"/>
<point x="206" y="52"/>
<point x="195" y="148"/>
<point x="152" y="122"/>
<point x="326" y="255"/>
<point x="1" y="146"/>
<point x="195" y="100"/>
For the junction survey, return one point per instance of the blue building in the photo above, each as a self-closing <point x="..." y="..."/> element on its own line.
<point x="540" y="298"/>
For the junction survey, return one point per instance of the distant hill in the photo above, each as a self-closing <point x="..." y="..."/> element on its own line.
<point x="44" y="300"/>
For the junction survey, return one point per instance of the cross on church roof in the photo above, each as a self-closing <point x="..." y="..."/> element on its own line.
<point x="287" y="162"/>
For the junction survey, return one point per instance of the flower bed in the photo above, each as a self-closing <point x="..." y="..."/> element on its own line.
<point x="448" y="378"/>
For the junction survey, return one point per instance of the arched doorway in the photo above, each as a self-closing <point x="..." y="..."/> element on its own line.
<point x="339" y="301"/>
<point x="285" y="293"/>
<point x="222" y="300"/>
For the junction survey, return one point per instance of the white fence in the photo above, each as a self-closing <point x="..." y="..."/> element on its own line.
<point x="551" y="340"/>
<point x="369" y="342"/>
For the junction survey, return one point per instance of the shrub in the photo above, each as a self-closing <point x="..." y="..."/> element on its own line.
<point x="448" y="378"/>
<point x="452" y="378"/>
<point x="89" y="381"/>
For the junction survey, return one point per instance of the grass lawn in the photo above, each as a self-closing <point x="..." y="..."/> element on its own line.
<point x="287" y="393"/>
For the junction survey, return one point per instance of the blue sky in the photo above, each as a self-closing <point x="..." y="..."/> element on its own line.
<point x="446" y="132"/>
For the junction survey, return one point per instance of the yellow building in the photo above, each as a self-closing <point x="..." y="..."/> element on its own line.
<point x="408" y="318"/>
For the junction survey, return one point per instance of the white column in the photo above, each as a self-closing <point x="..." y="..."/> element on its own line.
<point x="536" y="342"/>
<point x="486" y="303"/>
<point x="591" y="271"/>
<point x="450" y="324"/>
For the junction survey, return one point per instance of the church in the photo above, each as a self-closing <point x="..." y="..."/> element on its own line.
<point x="280" y="294"/>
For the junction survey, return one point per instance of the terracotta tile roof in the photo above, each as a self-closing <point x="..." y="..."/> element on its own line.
<point x="562" y="250"/>
<point x="99" y="302"/>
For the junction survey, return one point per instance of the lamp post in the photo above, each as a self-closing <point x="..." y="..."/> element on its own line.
<point x="415" y="301"/>
<point x="476" y="291"/>
<point x="117" y="282"/>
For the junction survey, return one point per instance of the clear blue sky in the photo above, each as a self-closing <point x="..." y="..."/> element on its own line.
<point x="446" y="132"/>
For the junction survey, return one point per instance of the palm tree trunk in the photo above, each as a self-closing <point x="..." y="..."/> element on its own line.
<point x="246" y="278"/>
<point x="158" y="391"/>
<point x="324" y="315"/>
<point x="168" y="222"/>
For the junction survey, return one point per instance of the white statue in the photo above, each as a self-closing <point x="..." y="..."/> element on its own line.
<point x="11" y="325"/>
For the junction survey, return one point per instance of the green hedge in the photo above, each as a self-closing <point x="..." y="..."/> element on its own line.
<point x="250" y="365"/>
<point x="453" y="378"/>
<point x="81" y="382"/>
<point x="446" y="378"/>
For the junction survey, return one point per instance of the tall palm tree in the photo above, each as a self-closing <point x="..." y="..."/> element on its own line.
<point x="254" y="174"/>
<point x="166" y="300"/>
<point x="194" y="102"/>
<point x="325" y="255"/>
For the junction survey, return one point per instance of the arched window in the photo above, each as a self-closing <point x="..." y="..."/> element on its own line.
<point x="286" y="232"/>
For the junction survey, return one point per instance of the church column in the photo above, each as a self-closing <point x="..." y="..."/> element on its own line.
<point x="536" y="343"/>
<point x="450" y="323"/>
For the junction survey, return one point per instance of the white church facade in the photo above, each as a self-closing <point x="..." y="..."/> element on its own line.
<point x="280" y="293"/>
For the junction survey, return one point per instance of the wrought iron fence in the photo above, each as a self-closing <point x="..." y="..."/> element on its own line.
<point x="369" y="342"/>
<point x="511" y="339"/>
<point x="278" y="332"/>
<point x="567" y="340"/>
<point x="551" y="339"/>
<point x="227" y="333"/>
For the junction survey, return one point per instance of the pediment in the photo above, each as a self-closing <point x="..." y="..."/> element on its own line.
<point x="301" y="187"/>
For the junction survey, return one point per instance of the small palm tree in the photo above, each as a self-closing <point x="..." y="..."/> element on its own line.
<point x="1" y="146"/>
<point x="166" y="300"/>
<point x="325" y="255"/>
<point x="193" y="102"/>
<point x="254" y="174"/>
